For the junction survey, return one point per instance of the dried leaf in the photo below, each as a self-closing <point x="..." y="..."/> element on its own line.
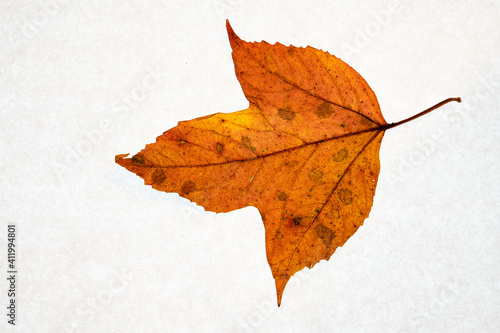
<point x="305" y="152"/>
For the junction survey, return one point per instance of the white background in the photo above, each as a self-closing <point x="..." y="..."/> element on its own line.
<point x="100" y="252"/>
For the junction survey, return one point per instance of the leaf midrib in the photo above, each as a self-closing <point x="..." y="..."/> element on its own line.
<point x="378" y="128"/>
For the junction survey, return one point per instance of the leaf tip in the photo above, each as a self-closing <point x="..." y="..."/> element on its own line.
<point x="231" y="34"/>
<point x="119" y="157"/>
<point x="280" y="286"/>
<point x="230" y="30"/>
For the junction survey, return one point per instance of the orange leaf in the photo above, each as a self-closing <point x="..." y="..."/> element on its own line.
<point x="305" y="152"/>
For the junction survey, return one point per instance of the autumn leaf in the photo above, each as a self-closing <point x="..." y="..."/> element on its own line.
<point x="304" y="153"/>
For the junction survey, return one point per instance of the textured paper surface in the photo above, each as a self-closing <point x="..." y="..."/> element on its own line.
<point x="101" y="252"/>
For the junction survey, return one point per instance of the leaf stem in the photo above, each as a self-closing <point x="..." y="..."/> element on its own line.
<point x="432" y="108"/>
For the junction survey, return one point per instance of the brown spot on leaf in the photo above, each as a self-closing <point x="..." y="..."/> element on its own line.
<point x="158" y="176"/>
<point x="340" y="155"/>
<point x="367" y="122"/>
<point x="137" y="160"/>
<point x="219" y="147"/>
<point x="326" y="234"/>
<point x="315" y="174"/>
<point x="245" y="141"/>
<point x="286" y="114"/>
<point x="345" y="195"/>
<point x="279" y="234"/>
<point x="323" y="111"/>
<point x="187" y="187"/>
<point x="282" y="196"/>
<point x="297" y="220"/>
<point x="182" y="142"/>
